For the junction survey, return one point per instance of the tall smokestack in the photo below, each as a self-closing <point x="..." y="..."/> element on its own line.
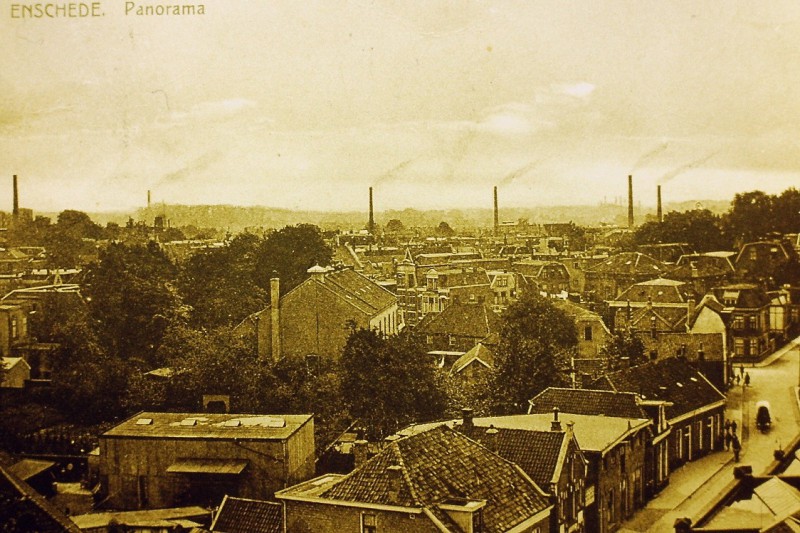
<point x="496" y="213"/>
<point x="659" y="213"/>
<point x="148" y="199"/>
<point x="371" y="224"/>
<point x="15" y="211"/>
<point x="630" y="201"/>
<point x="275" y="316"/>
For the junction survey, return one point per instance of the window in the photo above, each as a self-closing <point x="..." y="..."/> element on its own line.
<point x="587" y="333"/>
<point x="738" y="322"/>
<point x="13" y="328"/>
<point x="451" y="340"/>
<point x="739" y="346"/>
<point x="429" y="339"/>
<point x="369" y="523"/>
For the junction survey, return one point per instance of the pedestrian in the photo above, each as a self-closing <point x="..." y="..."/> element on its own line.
<point x="737" y="380"/>
<point x="741" y="370"/>
<point x="737" y="447"/>
<point x="733" y="427"/>
<point x="727" y="425"/>
<point x="728" y="440"/>
<point x="746" y="379"/>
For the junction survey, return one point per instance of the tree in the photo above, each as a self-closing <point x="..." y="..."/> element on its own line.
<point x="132" y="297"/>
<point x="536" y="341"/>
<point x="289" y="253"/>
<point x="750" y="217"/>
<point x="624" y="349"/>
<point x="389" y="381"/>
<point x="444" y="230"/>
<point x="219" y="283"/>
<point x="394" y="226"/>
<point x="699" y="228"/>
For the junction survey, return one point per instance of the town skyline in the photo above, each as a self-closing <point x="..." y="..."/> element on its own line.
<point x="269" y="105"/>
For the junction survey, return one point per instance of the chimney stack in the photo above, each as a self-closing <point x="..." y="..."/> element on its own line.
<point x="555" y="425"/>
<point x="491" y="438"/>
<point x="466" y="417"/>
<point x="496" y="213"/>
<point x="395" y="482"/>
<point x="659" y="212"/>
<point x="360" y="452"/>
<point x="275" y="316"/>
<point x="630" y="201"/>
<point x="148" y="199"/>
<point x="371" y="223"/>
<point x="15" y="211"/>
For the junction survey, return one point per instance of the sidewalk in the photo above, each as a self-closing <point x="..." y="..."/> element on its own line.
<point x="777" y="354"/>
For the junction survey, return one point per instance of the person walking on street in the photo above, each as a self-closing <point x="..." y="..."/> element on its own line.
<point x="737" y="447"/>
<point x="746" y="379"/>
<point x="737" y="380"/>
<point x="733" y="427"/>
<point x="728" y="439"/>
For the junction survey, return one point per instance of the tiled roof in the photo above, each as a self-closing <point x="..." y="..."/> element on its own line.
<point x="577" y="311"/>
<point x="463" y="320"/>
<point x="630" y="263"/>
<point x="21" y="501"/>
<point x="358" y="290"/>
<point x="587" y="402"/>
<point x="594" y="433"/>
<point x="460" y="277"/>
<point x="670" y="344"/>
<point x="745" y="295"/>
<point x="536" y="452"/>
<point x="239" y="515"/>
<point x="479" y="353"/>
<point x="439" y="464"/>
<point x="701" y="266"/>
<point x="658" y="291"/>
<point x="672" y="380"/>
<point x="667" y="318"/>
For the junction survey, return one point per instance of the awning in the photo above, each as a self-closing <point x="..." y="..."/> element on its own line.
<point x="208" y="466"/>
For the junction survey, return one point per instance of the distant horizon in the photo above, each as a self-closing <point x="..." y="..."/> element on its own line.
<point x="275" y="104"/>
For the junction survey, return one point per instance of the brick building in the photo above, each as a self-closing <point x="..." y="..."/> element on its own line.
<point x="316" y="316"/>
<point x="459" y="327"/>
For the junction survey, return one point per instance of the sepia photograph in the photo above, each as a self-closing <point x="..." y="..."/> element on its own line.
<point x="394" y="266"/>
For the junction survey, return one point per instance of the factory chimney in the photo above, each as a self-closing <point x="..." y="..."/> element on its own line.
<point x="659" y="213"/>
<point x="630" y="201"/>
<point x="148" y="199"/>
<point x="371" y="223"/>
<point x="15" y="211"/>
<point x="496" y="213"/>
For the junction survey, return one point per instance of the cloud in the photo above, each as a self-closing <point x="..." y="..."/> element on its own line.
<point x="578" y="90"/>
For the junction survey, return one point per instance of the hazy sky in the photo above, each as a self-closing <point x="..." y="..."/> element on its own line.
<point x="306" y="104"/>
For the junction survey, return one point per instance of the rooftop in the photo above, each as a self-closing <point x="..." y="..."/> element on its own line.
<point x="209" y="426"/>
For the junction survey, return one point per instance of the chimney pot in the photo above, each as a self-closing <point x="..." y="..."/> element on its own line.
<point x="555" y="425"/>
<point x="466" y="417"/>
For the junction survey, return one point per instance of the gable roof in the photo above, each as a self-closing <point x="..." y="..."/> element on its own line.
<point x="587" y="402"/>
<point x="629" y="263"/>
<point x="540" y="454"/>
<point x="31" y="511"/>
<point x="657" y="291"/>
<point x="241" y="515"/>
<point x="478" y="354"/>
<point x="743" y="295"/>
<point x="671" y="380"/>
<point x="461" y="319"/>
<point x="439" y="464"/>
<point x="356" y="289"/>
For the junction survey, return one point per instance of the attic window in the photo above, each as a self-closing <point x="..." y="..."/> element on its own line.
<point x="189" y="422"/>
<point x="144" y="422"/>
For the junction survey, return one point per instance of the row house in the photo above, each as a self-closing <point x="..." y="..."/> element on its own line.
<point x="616" y="404"/>
<point x="608" y="279"/>
<point x="745" y="310"/>
<point x="615" y="452"/>
<point x="547" y="277"/>
<point x="317" y="316"/>
<point x="459" y="327"/>
<point x="705" y="351"/>
<point x="432" y="481"/>
<point x="156" y="460"/>
<point x="703" y="272"/>
<point x="695" y="408"/>
<point x="655" y="305"/>
<point x="423" y="288"/>
<point x="770" y="263"/>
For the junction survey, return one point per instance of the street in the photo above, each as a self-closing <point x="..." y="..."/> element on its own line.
<point x="694" y="486"/>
